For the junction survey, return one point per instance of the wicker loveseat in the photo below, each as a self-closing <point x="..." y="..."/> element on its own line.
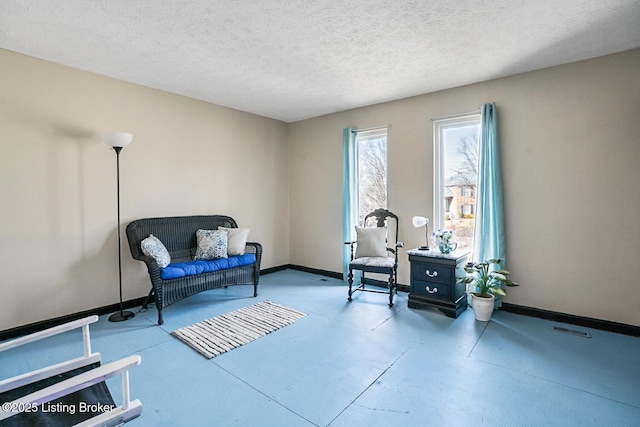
<point x="184" y="276"/>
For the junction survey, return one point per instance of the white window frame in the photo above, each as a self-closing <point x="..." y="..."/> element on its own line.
<point x="439" y="127"/>
<point x="366" y="135"/>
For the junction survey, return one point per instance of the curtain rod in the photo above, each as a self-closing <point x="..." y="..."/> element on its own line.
<point x="373" y="128"/>
<point x="453" y="116"/>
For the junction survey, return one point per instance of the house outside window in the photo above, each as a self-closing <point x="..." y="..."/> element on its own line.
<point x="456" y="176"/>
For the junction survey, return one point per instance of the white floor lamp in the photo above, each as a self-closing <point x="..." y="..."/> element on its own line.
<point x="119" y="140"/>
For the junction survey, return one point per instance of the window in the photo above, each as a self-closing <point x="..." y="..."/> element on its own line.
<point x="456" y="176"/>
<point x="372" y="171"/>
<point x="364" y="180"/>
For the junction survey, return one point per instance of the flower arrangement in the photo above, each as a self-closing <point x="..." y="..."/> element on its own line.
<point x="445" y="240"/>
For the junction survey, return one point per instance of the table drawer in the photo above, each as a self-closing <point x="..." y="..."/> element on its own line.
<point x="434" y="273"/>
<point x="428" y="289"/>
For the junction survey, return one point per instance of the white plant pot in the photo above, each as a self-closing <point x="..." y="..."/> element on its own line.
<point x="482" y="307"/>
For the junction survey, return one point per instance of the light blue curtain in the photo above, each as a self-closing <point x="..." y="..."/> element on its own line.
<point x="489" y="241"/>
<point x="488" y="238"/>
<point x="349" y="194"/>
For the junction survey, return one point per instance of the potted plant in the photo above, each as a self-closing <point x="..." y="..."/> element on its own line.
<point x="483" y="284"/>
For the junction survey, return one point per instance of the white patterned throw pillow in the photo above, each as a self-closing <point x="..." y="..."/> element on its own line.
<point x="153" y="247"/>
<point x="212" y="244"/>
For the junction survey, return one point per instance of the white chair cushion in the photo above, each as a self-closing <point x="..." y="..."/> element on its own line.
<point x="371" y="261"/>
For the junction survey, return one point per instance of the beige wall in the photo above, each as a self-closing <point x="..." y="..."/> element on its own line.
<point x="571" y="164"/>
<point x="58" y="248"/>
<point x="570" y="148"/>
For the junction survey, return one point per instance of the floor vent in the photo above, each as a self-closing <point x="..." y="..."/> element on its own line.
<point x="571" y="331"/>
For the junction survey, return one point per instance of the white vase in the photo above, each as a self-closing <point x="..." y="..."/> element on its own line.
<point x="482" y="306"/>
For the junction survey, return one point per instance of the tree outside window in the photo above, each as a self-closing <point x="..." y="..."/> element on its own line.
<point x="372" y="171"/>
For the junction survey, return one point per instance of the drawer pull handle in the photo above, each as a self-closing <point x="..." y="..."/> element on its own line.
<point x="430" y="274"/>
<point x="434" y="291"/>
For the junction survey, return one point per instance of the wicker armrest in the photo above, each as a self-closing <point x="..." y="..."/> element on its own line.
<point x="256" y="247"/>
<point x="152" y="264"/>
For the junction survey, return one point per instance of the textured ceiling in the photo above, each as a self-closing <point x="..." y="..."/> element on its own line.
<point x="295" y="59"/>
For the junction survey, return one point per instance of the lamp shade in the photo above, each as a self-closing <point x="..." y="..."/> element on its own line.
<point x="419" y="221"/>
<point x="118" y="139"/>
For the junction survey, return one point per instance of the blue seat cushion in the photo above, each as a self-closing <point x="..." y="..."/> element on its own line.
<point x="191" y="268"/>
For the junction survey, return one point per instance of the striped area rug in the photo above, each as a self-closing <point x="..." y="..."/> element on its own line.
<point x="220" y="334"/>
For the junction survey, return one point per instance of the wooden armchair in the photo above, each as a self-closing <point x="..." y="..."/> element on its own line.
<point x="372" y="252"/>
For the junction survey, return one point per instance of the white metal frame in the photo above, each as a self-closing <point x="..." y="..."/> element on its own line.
<point x="126" y="411"/>
<point x="439" y="126"/>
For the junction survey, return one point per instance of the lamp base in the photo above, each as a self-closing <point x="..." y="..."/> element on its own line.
<point x="121" y="316"/>
<point x="424" y="248"/>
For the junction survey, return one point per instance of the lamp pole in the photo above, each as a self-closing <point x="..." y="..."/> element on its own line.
<point x="118" y="140"/>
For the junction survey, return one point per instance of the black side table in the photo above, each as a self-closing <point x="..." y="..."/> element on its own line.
<point x="433" y="280"/>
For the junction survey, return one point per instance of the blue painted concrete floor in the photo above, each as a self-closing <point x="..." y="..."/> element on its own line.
<point x="362" y="364"/>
